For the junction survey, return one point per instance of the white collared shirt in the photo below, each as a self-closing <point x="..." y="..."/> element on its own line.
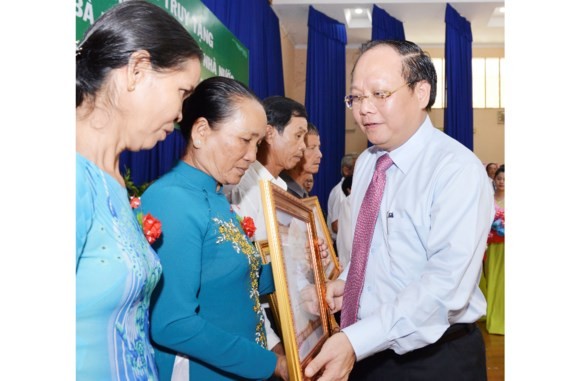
<point x="344" y="236"/>
<point x="336" y="196"/>
<point x="425" y="259"/>
<point x="247" y="196"/>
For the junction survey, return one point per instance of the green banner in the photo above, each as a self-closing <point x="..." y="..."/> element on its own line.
<point x="224" y="54"/>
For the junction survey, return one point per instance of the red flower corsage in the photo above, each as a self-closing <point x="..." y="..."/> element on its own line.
<point x="248" y="226"/>
<point x="246" y="223"/>
<point x="151" y="227"/>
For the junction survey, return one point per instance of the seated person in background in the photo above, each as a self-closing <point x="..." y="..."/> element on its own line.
<point x="206" y="317"/>
<point x="308" y="166"/>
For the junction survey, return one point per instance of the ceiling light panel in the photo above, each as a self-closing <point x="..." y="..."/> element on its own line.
<point x="358" y="17"/>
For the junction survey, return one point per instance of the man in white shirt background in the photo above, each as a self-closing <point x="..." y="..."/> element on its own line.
<point x="308" y="166"/>
<point x="491" y="168"/>
<point x="281" y="149"/>
<point x="336" y="195"/>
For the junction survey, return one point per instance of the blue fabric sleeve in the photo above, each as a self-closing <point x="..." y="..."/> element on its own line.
<point x="266" y="284"/>
<point x="175" y="322"/>
<point x="84" y="207"/>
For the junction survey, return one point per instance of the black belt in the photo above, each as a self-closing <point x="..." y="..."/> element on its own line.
<point x="455" y="331"/>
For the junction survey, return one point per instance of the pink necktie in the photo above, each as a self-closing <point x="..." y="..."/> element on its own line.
<point x="363" y="233"/>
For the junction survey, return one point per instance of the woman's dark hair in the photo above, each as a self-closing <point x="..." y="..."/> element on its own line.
<point x="417" y="64"/>
<point x="122" y="30"/>
<point x="280" y="110"/>
<point x="214" y="99"/>
<point x="500" y="170"/>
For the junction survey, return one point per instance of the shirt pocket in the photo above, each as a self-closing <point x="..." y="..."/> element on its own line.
<point x="406" y="240"/>
<point x="396" y="224"/>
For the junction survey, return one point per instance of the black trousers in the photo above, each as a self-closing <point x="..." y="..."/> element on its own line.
<point x="458" y="356"/>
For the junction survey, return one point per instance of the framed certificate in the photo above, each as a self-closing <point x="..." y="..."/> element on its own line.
<point x="331" y="264"/>
<point x="304" y="317"/>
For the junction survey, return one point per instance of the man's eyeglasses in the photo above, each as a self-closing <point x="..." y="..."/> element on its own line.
<point x="379" y="96"/>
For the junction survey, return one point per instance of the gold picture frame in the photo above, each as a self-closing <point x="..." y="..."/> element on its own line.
<point x="298" y="275"/>
<point x="332" y="268"/>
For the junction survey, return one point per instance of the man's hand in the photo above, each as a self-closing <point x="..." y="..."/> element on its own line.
<point x="335" y="291"/>
<point x="336" y="358"/>
<point x="278" y="349"/>
<point x="323" y="253"/>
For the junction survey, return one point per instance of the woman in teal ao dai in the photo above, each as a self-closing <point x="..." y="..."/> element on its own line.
<point x="128" y="97"/>
<point x="206" y="319"/>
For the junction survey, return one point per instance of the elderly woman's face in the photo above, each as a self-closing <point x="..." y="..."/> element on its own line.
<point x="156" y="104"/>
<point x="232" y="147"/>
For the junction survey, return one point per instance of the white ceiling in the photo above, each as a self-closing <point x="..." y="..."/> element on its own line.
<point x="424" y="20"/>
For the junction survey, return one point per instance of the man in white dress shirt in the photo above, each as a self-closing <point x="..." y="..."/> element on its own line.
<point x="336" y="196"/>
<point x="281" y="149"/>
<point x="420" y="300"/>
<point x="491" y="169"/>
<point x="308" y="166"/>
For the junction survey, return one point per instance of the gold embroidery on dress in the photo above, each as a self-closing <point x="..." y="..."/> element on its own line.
<point x="229" y="232"/>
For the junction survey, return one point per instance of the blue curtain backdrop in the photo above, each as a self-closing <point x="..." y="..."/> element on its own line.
<point x="458" y="115"/>
<point x="148" y="165"/>
<point x="324" y="93"/>
<point x="386" y="27"/>
<point x="255" y="24"/>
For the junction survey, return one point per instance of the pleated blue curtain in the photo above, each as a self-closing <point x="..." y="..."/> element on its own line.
<point x="324" y="93"/>
<point x="458" y="115"/>
<point x="255" y="24"/>
<point x="148" y="165"/>
<point x="386" y="27"/>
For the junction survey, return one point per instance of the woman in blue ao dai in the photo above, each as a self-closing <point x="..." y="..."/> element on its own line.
<point x="134" y="67"/>
<point x="206" y="319"/>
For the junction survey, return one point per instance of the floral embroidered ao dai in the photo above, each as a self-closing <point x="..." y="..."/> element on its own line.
<point x="116" y="272"/>
<point x="206" y="306"/>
